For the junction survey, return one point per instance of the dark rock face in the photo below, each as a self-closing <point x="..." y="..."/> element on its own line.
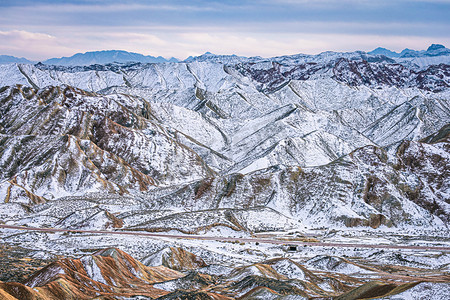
<point x="17" y="263"/>
<point x="351" y="72"/>
<point x="428" y="161"/>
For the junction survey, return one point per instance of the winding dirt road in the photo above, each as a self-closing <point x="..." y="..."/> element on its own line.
<point x="230" y="239"/>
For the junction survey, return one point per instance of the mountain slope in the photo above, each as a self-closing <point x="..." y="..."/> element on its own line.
<point x="74" y="133"/>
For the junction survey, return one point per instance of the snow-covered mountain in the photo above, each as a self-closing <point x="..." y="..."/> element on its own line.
<point x="434" y="55"/>
<point x="184" y="127"/>
<point x="433" y="50"/>
<point x="385" y="52"/>
<point x="105" y="57"/>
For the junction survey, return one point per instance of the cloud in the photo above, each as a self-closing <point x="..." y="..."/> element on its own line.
<point x="24" y="35"/>
<point x="32" y="45"/>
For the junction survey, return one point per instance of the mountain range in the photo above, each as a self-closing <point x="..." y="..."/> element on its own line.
<point x="433" y="50"/>
<point x="92" y="58"/>
<point x="208" y="133"/>
<point x="120" y="56"/>
<point x="105" y="57"/>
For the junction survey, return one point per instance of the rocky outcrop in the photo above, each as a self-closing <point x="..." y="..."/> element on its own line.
<point x="175" y="258"/>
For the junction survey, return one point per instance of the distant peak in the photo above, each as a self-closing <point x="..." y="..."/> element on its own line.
<point x="434" y="47"/>
<point x="384" y="51"/>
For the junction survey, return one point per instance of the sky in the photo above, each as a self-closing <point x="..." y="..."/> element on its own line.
<point x="41" y="29"/>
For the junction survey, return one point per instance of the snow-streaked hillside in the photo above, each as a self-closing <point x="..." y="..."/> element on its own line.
<point x="326" y="140"/>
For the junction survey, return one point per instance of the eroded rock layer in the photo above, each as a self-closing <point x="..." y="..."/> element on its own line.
<point x="113" y="274"/>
